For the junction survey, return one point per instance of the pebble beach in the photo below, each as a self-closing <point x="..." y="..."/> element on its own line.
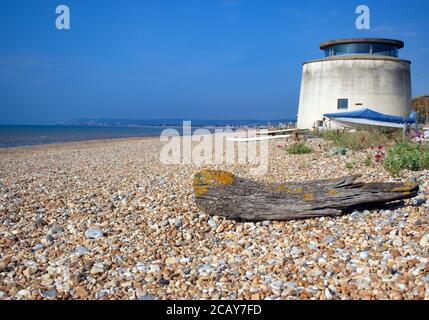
<point x="106" y="220"/>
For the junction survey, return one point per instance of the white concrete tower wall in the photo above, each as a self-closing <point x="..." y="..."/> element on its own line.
<point x="379" y="83"/>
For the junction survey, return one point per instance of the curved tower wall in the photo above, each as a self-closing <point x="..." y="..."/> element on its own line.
<point x="377" y="83"/>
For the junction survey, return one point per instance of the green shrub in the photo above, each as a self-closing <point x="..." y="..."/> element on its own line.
<point x="360" y="140"/>
<point x="300" y="148"/>
<point x="406" y="156"/>
<point x="351" y="164"/>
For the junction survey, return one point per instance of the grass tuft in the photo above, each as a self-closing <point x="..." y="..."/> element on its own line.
<point x="300" y="148"/>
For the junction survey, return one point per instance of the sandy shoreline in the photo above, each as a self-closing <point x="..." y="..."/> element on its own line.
<point x="104" y="219"/>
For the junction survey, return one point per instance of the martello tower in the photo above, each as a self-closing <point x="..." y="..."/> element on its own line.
<point x="355" y="74"/>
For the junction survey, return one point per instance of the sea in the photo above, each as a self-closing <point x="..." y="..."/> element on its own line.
<point x="31" y="135"/>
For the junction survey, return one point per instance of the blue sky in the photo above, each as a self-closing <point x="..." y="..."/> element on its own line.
<point x="192" y="59"/>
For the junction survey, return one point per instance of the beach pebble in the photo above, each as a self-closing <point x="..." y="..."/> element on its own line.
<point x="364" y="255"/>
<point x="328" y="294"/>
<point x="22" y="294"/>
<point x="101" y="293"/>
<point x="56" y="230"/>
<point x="82" y="250"/>
<point x="97" y="268"/>
<point x="330" y="239"/>
<point x="81" y="292"/>
<point x="313" y="246"/>
<point x="49" y="239"/>
<point x="38" y="246"/>
<point x="93" y="234"/>
<point x="187" y="235"/>
<point x="49" y="294"/>
<point x="147" y="297"/>
<point x="171" y="261"/>
<point x="277" y="285"/>
<point x="155" y="269"/>
<point x="424" y="241"/>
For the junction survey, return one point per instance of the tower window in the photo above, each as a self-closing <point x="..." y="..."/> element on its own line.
<point x="343" y="104"/>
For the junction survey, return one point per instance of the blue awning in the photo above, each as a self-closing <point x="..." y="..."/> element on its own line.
<point x="372" y="115"/>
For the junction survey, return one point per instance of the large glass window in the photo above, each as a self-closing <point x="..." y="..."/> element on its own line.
<point x="385" y="50"/>
<point x="359" y="48"/>
<point x="341" y="49"/>
<point x="362" y="48"/>
<point x="343" y="104"/>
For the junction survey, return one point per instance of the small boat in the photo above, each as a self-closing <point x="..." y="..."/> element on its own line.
<point x="367" y="118"/>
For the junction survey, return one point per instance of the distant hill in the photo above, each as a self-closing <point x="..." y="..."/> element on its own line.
<point x="170" y="122"/>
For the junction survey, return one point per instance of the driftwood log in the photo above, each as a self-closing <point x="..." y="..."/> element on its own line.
<point x="223" y="194"/>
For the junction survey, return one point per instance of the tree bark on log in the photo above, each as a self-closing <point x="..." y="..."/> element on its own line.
<point x="223" y="194"/>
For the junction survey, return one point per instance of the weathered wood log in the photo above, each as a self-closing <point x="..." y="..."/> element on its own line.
<point x="223" y="194"/>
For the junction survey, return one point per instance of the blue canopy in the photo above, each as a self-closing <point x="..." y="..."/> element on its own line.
<point x="372" y="115"/>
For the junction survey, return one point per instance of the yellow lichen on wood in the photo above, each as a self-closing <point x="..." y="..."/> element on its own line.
<point x="332" y="192"/>
<point x="211" y="178"/>
<point x="200" y="190"/>
<point x="290" y="190"/>
<point x="309" y="197"/>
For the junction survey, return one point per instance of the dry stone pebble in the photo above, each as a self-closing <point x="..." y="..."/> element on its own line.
<point x="93" y="234"/>
<point x="38" y="246"/>
<point x="277" y="285"/>
<point x="49" y="239"/>
<point x="212" y="223"/>
<point x="82" y="292"/>
<point x="164" y="282"/>
<point x="147" y="297"/>
<point x="82" y="250"/>
<point x="101" y="293"/>
<point x="364" y="255"/>
<point x="97" y="268"/>
<point x="329" y="239"/>
<point x="220" y="228"/>
<point x="50" y="294"/>
<point x="313" y="246"/>
<point x="23" y="294"/>
<point x="187" y="235"/>
<point x="56" y="230"/>
<point x="424" y="241"/>
<point x="328" y="294"/>
<point x="170" y="261"/>
<point x="3" y="266"/>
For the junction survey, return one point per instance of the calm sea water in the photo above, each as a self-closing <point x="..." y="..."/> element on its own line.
<point x="15" y="136"/>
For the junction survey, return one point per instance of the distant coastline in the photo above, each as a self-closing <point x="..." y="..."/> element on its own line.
<point x="171" y="123"/>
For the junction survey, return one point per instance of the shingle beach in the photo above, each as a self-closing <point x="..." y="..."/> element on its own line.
<point x="106" y="220"/>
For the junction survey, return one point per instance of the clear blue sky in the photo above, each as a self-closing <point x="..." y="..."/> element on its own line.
<point x="193" y="59"/>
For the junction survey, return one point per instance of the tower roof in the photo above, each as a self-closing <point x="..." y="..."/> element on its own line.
<point x="397" y="43"/>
